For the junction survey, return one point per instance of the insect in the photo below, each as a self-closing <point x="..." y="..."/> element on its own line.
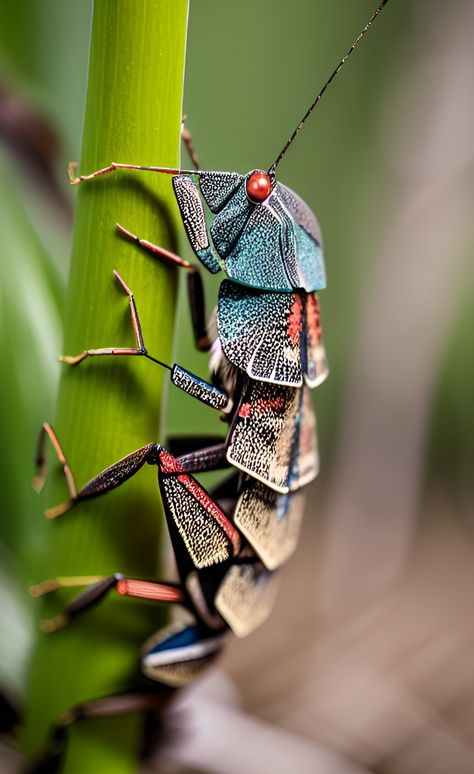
<point x="266" y="354"/>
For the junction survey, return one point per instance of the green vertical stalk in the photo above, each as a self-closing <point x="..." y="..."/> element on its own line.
<point x="107" y="407"/>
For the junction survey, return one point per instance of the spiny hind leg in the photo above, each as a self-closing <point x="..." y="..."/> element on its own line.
<point x="211" y="458"/>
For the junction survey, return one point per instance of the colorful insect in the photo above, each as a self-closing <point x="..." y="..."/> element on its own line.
<point x="266" y="356"/>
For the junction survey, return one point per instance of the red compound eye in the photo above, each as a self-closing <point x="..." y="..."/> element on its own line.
<point x="259" y="186"/>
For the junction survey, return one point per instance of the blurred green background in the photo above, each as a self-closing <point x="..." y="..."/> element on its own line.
<point x="384" y="162"/>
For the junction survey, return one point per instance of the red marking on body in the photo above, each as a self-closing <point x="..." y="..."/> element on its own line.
<point x="245" y="410"/>
<point x="210" y="506"/>
<point x="169" y="463"/>
<point x="259" y="186"/>
<point x="313" y="318"/>
<point x="148" y="590"/>
<point x="271" y="404"/>
<point x="295" y="319"/>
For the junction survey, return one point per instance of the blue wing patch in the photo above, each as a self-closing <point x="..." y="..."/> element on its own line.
<point x="256" y="258"/>
<point x="256" y="333"/>
<point x="273" y="337"/>
<point x="230" y="221"/>
<point x="176" y="655"/>
<point x="275" y="245"/>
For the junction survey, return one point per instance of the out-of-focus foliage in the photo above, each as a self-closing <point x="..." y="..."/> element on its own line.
<point x="41" y="105"/>
<point x="36" y="92"/>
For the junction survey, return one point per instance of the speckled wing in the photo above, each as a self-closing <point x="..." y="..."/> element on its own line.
<point x="201" y="533"/>
<point x="262" y="436"/>
<point x="264" y="334"/>
<point x="305" y="462"/>
<point x="311" y="272"/>
<point x="260" y="333"/>
<point x="178" y="654"/>
<point x="275" y="245"/>
<point x="230" y="221"/>
<point x="271" y="522"/>
<point x="246" y="597"/>
<point x="300" y="212"/>
<point x="257" y="256"/>
<point x="265" y="440"/>
<point x="317" y="368"/>
<point x="194" y="220"/>
<point x="218" y="187"/>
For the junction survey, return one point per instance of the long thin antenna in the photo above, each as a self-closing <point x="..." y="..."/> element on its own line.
<point x="311" y="108"/>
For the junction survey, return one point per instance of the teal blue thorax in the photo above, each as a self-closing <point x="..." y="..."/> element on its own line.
<point x="274" y="245"/>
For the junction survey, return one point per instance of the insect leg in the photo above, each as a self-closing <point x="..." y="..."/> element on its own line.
<point x="51" y="759"/>
<point x="204" y="459"/>
<point x="188" y="141"/>
<point x="75" y="179"/>
<point x="98" y="589"/>
<point x="164" y="254"/>
<point x="195" y="285"/>
<point x="108" y="479"/>
<point x="41" y="464"/>
<point x="198" y="311"/>
<point x="188" y="382"/>
<point x="139" y="350"/>
<point x="183" y="444"/>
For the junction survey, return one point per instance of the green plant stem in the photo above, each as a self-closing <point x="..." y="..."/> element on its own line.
<point x="107" y="407"/>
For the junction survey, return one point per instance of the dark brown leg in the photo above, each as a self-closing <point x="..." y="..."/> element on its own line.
<point x="204" y="459"/>
<point x="188" y="141"/>
<point x="98" y="589"/>
<point x="166" y="255"/>
<point x="195" y="285"/>
<point x="108" y="479"/>
<point x="198" y="311"/>
<point x="41" y="465"/>
<point x="50" y="761"/>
